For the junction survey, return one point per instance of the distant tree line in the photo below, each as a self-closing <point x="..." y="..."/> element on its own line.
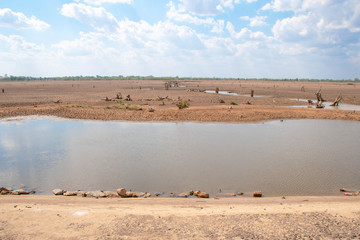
<point x="120" y="77"/>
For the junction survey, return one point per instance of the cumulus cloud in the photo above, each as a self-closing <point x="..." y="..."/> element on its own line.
<point x="256" y="21"/>
<point x="206" y="7"/>
<point x="16" y="43"/>
<point x="99" y="2"/>
<point x="176" y="15"/>
<point x="245" y="33"/>
<point x="284" y="5"/>
<point x="97" y="17"/>
<point x="318" y="22"/>
<point x="17" y="20"/>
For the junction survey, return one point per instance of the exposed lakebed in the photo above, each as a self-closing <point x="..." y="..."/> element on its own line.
<point x="294" y="157"/>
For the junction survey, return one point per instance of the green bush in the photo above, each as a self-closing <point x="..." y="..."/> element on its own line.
<point x="182" y="104"/>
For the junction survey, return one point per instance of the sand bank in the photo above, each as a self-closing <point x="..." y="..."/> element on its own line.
<point x="50" y="217"/>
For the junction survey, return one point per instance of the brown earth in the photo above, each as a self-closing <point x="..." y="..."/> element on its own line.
<point x="86" y="100"/>
<point x="45" y="217"/>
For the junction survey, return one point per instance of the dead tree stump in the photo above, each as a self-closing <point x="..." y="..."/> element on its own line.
<point x="118" y="96"/>
<point x="337" y="101"/>
<point x="217" y="90"/>
<point x="252" y="93"/>
<point x="128" y="98"/>
<point x="319" y="99"/>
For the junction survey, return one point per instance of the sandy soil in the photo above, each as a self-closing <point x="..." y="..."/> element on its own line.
<point x="45" y="217"/>
<point x="86" y="100"/>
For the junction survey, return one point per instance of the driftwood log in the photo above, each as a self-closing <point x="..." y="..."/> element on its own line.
<point x="162" y="98"/>
<point x="337" y="101"/>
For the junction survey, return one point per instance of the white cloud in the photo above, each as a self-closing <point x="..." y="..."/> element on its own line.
<point x="99" y="2"/>
<point x="18" y="45"/>
<point x="319" y="22"/>
<point x="246" y="34"/>
<point x="176" y="15"/>
<point x="206" y="7"/>
<point x="284" y="5"/>
<point x="96" y="17"/>
<point x="17" y="20"/>
<point x="230" y="3"/>
<point x="256" y="21"/>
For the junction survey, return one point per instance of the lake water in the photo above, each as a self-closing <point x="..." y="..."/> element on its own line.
<point x="295" y="157"/>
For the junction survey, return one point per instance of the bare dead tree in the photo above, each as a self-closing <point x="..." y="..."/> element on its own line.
<point x="320" y="99"/>
<point x="118" y="96"/>
<point x="128" y="98"/>
<point x="337" y="101"/>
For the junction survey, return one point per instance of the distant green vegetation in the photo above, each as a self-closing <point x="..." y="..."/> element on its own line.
<point x="120" y="77"/>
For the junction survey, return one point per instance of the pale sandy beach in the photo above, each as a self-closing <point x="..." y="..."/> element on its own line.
<point x="52" y="217"/>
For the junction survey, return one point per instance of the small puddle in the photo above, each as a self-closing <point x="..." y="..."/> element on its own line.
<point x="326" y="105"/>
<point x="233" y="94"/>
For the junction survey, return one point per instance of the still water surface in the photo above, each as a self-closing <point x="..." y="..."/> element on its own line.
<point x="296" y="157"/>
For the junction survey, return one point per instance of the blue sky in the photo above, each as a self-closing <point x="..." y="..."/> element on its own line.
<point x="188" y="38"/>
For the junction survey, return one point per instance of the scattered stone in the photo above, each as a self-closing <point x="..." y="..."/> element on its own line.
<point x="203" y="195"/>
<point x="257" y="194"/>
<point x="69" y="193"/>
<point x="121" y="192"/>
<point x="196" y="193"/>
<point x="95" y="194"/>
<point x="5" y="191"/>
<point x="240" y="193"/>
<point x="20" y="192"/>
<point x="191" y="193"/>
<point x="132" y="194"/>
<point x="81" y="193"/>
<point x="110" y="194"/>
<point x="140" y="194"/>
<point x="147" y="195"/>
<point x="157" y="194"/>
<point x="57" y="191"/>
<point x="183" y="195"/>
